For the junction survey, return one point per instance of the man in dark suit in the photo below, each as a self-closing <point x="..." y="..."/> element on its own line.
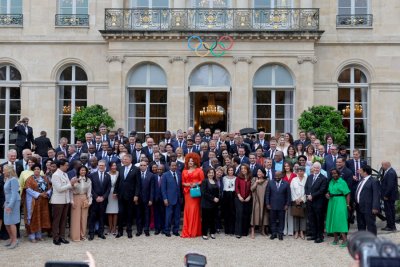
<point x="148" y="149"/>
<point x="159" y="207"/>
<point x="261" y="142"/>
<point x="207" y="135"/>
<point x="242" y="156"/>
<point x="101" y="186"/>
<point x="63" y="146"/>
<point x="24" y="136"/>
<point x="104" y="133"/>
<point x="315" y="189"/>
<point x="136" y="152"/>
<point x="302" y="139"/>
<point x="270" y="171"/>
<point x="146" y="199"/>
<point x="111" y="157"/>
<point x="42" y="144"/>
<point x="277" y="197"/>
<point x="330" y="160"/>
<point x="253" y="164"/>
<point x="355" y="164"/>
<point x="180" y="142"/>
<point x="127" y="190"/>
<point x="389" y="194"/>
<point x="88" y="141"/>
<point x="73" y="155"/>
<point x="345" y="172"/>
<point x="328" y="143"/>
<point x="171" y="183"/>
<point x="270" y="153"/>
<point x="367" y="200"/>
<point x="121" y="137"/>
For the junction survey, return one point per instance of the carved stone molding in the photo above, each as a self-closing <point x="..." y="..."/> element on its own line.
<point x="110" y="59"/>
<point x="249" y="60"/>
<point x="178" y="58"/>
<point x="312" y="59"/>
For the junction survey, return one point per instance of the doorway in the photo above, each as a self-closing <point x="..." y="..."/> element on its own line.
<point x="217" y="105"/>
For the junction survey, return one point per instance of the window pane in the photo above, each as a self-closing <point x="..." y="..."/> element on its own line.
<point x="360" y="126"/>
<point x="15" y="93"/>
<point x="359" y="76"/>
<point x="158" y="111"/>
<point x="283" y="126"/>
<point x="284" y="97"/>
<point x="158" y="96"/>
<point x="142" y="3"/>
<point x="262" y="3"/>
<point x="138" y="76"/>
<point x="66" y="75"/>
<point x="344" y="3"/>
<point x="79" y="105"/>
<point x="220" y="76"/>
<point x="65" y="133"/>
<point x="344" y="95"/>
<point x="65" y="92"/>
<point x="14" y="74"/>
<point x="158" y="125"/>
<point x="344" y="77"/>
<point x="3" y="93"/>
<point x="81" y="92"/>
<point x="361" y="3"/>
<point x="264" y="124"/>
<point x="65" y="107"/>
<point x="2" y="122"/>
<point x="360" y="141"/>
<point x="137" y="125"/>
<point x="137" y="96"/>
<point x="15" y="107"/>
<point x="263" y="76"/>
<point x="263" y="97"/>
<point x="65" y="122"/>
<point x="361" y="11"/>
<point x="263" y="111"/>
<point x="80" y="74"/>
<point x="82" y="7"/>
<point x="3" y="71"/>
<point x="137" y="110"/>
<point x="160" y="3"/>
<point x="157" y="76"/>
<point x="361" y="95"/>
<point x="16" y="7"/>
<point x="284" y="112"/>
<point x="2" y="107"/>
<point x="200" y="76"/>
<point x="282" y="76"/>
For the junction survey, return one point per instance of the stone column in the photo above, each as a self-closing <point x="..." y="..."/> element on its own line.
<point x="240" y="106"/>
<point x="117" y="91"/>
<point x="178" y="95"/>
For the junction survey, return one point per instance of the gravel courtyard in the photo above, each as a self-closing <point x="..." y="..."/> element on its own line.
<point x="163" y="251"/>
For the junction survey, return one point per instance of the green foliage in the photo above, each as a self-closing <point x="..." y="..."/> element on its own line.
<point x="89" y="119"/>
<point x="323" y="120"/>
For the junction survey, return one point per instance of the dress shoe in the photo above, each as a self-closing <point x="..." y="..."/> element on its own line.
<point x="129" y="235"/>
<point x="91" y="237"/>
<point x="311" y="238"/>
<point x="176" y="234"/>
<point x="157" y="232"/>
<point x="138" y="234"/>
<point x="118" y="235"/>
<point x="205" y="237"/>
<point x="212" y="236"/>
<point x="102" y="236"/>
<point x="146" y="233"/>
<point x="388" y="229"/>
<point x="168" y="234"/>
<point x="280" y="237"/>
<point x="55" y="242"/>
<point x="318" y="240"/>
<point x="12" y="246"/>
<point x="273" y="236"/>
<point x="64" y="241"/>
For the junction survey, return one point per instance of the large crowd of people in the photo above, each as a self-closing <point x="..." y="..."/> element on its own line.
<point x="223" y="182"/>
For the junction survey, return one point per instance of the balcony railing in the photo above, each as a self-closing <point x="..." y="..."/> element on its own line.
<point x="72" y="20"/>
<point x="362" y="20"/>
<point x="11" y="20"/>
<point x="212" y="20"/>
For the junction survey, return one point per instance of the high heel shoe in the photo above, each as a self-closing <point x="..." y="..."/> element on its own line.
<point x="13" y="246"/>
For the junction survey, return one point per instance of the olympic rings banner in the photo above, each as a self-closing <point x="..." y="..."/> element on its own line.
<point x="217" y="48"/>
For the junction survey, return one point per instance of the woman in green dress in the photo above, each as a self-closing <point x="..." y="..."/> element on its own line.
<point x="336" y="216"/>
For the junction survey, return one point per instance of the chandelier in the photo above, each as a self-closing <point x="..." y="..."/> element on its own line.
<point x="358" y="110"/>
<point x="216" y="3"/>
<point x="212" y="113"/>
<point x="67" y="109"/>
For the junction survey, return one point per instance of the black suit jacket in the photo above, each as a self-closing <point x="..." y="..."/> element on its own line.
<point x="85" y="147"/>
<point x="127" y="188"/>
<point x="389" y="185"/>
<point x="134" y="156"/>
<point x="347" y="175"/>
<point x="305" y="143"/>
<point x="317" y="189"/>
<point x="351" y="165"/>
<point x="277" y="198"/>
<point x="18" y="166"/>
<point x="146" y="187"/>
<point x="369" y="196"/>
<point x="22" y="137"/>
<point x="100" y="189"/>
<point x="42" y="144"/>
<point x="255" y="169"/>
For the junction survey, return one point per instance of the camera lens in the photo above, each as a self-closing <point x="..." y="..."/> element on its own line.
<point x="358" y="238"/>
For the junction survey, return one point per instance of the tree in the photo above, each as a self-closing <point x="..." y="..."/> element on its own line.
<point x="323" y="120"/>
<point x="89" y="119"/>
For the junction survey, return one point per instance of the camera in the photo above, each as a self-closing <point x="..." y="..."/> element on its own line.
<point x="195" y="260"/>
<point x="373" y="251"/>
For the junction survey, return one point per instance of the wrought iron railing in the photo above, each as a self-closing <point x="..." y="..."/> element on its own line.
<point x="15" y="20"/>
<point x="72" y="20"/>
<point x="281" y="19"/>
<point x="363" y="20"/>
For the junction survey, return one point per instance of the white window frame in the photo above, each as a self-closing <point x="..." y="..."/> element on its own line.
<point x="73" y="7"/>
<point x="352" y="86"/>
<point x="353" y="7"/>
<point x="8" y="84"/>
<point x="73" y="83"/>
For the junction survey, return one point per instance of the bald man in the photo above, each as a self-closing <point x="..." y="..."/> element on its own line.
<point x="389" y="194"/>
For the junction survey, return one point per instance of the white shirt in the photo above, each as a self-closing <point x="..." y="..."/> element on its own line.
<point x="229" y="183"/>
<point x="360" y="187"/>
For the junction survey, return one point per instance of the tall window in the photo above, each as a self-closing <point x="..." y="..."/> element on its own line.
<point x="69" y="7"/>
<point x="273" y="3"/>
<point x="10" y="106"/>
<point x="353" y="103"/>
<point x="211" y="3"/>
<point x="10" y="6"/>
<point x="149" y="3"/>
<point x="147" y="96"/>
<point x="72" y="97"/>
<point x="353" y="7"/>
<point x="273" y="99"/>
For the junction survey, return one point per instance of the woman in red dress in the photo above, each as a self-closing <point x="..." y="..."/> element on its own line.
<point x="192" y="175"/>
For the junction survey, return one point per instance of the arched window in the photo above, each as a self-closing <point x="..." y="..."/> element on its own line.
<point x="273" y="95"/>
<point x="353" y="103"/>
<point x="210" y="75"/>
<point x="147" y="100"/>
<point x="72" y="97"/>
<point x="10" y="106"/>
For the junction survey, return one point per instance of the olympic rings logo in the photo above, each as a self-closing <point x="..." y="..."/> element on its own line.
<point x="210" y="48"/>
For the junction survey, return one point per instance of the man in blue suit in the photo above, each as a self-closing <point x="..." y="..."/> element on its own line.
<point x="330" y="160"/>
<point x="159" y="208"/>
<point x="171" y="193"/>
<point x="146" y="199"/>
<point x="277" y="197"/>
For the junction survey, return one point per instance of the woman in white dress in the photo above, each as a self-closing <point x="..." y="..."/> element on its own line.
<point x="112" y="206"/>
